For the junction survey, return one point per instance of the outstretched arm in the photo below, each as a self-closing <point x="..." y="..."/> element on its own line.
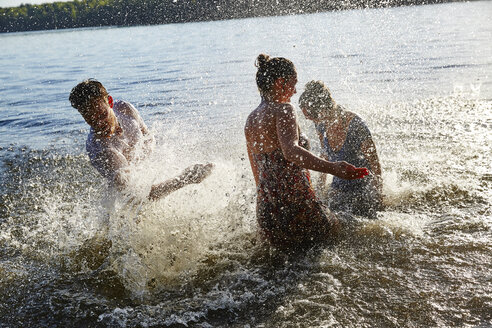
<point x="287" y="131"/>
<point x="193" y="174"/>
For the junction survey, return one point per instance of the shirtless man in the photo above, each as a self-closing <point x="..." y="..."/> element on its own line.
<point x="119" y="137"/>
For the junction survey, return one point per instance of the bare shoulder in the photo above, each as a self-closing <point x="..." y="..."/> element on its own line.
<point x="126" y="108"/>
<point x="254" y="116"/>
<point x="359" y="120"/>
<point x="251" y="116"/>
<point x="349" y="115"/>
<point x="284" y="111"/>
<point x="284" y="108"/>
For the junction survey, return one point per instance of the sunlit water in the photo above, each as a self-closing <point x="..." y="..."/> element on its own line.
<point x="72" y="256"/>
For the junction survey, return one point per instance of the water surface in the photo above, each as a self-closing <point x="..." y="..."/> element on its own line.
<point x="419" y="76"/>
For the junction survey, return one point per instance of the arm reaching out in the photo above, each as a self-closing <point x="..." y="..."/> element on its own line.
<point x="193" y="174"/>
<point x="288" y="134"/>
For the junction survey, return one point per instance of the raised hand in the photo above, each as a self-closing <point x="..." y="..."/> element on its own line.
<point x="197" y="173"/>
<point x="347" y="171"/>
<point x="193" y="174"/>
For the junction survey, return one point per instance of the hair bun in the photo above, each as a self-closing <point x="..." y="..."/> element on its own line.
<point x="262" y="60"/>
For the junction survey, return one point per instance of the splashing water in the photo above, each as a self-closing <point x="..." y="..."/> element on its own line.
<point x="194" y="257"/>
<point x="74" y="254"/>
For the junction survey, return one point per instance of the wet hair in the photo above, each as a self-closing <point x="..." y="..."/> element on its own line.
<point x="84" y="92"/>
<point x="316" y="99"/>
<point x="270" y="69"/>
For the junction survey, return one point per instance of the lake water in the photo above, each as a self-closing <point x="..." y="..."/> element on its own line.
<point x="420" y="76"/>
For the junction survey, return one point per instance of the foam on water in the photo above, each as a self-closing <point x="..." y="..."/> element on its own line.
<point x="163" y="243"/>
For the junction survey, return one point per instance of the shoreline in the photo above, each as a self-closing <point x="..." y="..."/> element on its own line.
<point x="80" y="14"/>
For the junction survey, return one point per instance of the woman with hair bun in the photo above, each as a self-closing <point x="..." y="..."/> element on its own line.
<point x="344" y="137"/>
<point x="288" y="212"/>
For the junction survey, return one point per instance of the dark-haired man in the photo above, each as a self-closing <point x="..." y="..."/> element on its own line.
<point x="119" y="137"/>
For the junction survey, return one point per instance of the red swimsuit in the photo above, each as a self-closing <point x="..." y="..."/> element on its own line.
<point x="287" y="209"/>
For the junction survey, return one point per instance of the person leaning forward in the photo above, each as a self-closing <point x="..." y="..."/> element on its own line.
<point x="118" y="137"/>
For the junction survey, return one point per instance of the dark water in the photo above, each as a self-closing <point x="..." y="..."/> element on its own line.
<point x="72" y="256"/>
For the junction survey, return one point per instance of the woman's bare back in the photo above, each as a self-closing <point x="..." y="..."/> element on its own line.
<point x="261" y="128"/>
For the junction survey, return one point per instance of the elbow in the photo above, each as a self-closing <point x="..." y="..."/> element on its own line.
<point x="291" y="155"/>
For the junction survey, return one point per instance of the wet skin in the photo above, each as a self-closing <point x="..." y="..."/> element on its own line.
<point x="101" y="117"/>
<point x="273" y="125"/>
